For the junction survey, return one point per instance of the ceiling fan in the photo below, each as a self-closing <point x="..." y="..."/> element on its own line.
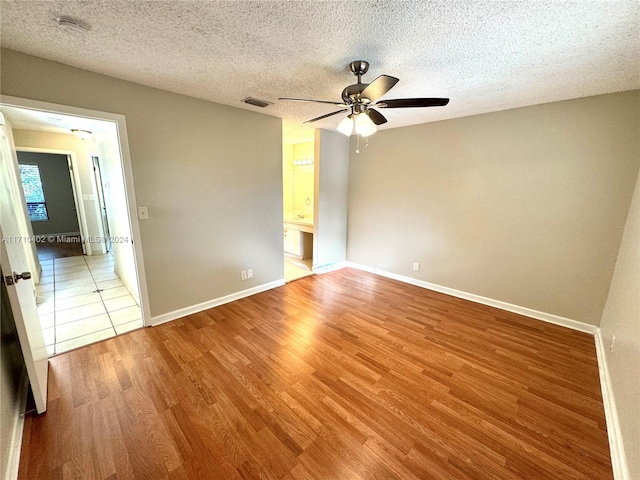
<point x="360" y="99"/>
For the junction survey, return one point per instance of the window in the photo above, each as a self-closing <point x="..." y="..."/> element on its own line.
<point x="33" y="193"/>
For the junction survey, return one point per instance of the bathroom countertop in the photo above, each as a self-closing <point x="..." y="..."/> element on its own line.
<point x="299" y="221"/>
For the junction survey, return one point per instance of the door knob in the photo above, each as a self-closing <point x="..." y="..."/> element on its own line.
<point x="11" y="279"/>
<point x="21" y="276"/>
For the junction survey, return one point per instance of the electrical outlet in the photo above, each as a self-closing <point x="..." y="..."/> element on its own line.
<point x="243" y="275"/>
<point x="416" y="267"/>
<point x="250" y="273"/>
<point x="613" y="341"/>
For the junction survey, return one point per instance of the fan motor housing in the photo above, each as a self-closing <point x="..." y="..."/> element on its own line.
<point x="351" y="94"/>
<point x="353" y="99"/>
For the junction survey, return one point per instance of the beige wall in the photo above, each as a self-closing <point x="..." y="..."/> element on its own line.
<point x="621" y="318"/>
<point x="113" y="186"/>
<point x="303" y="180"/>
<point x="210" y="174"/>
<point x="331" y="182"/>
<point x="525" y="206"/>
<point x="287" y="178"/>
<point x="298" y="180"/>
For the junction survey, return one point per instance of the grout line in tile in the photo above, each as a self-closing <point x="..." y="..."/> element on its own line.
<point x="98" y="290"/>
<point x="102" y="300"/>
<point x="85" y="335"/>
<point x="55" y="319"/>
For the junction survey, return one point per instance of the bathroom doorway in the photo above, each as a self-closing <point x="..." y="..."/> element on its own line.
<point x="299" y="206"/>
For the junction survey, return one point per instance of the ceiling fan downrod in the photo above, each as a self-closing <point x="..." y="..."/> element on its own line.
<point x="359" y="68"/>
<point x="351" y="94"/>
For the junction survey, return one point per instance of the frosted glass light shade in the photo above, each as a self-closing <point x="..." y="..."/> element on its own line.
<point x="364" y="125"/>
<point x="83" y="134"/>
<point x="345" y="127"/>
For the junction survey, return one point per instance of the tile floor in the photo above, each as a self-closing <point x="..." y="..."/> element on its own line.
<point x="295" y="269"/>
<point x="81" y="300"/>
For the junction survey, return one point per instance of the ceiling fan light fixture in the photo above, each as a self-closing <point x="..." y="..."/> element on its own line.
<point x="364" y="125"/>
<point x="83" y="134"/>
<point x="363" y="99"/>
<point x="345" y="127"/>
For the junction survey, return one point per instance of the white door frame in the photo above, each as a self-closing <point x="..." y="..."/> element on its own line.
<point x="127" y="172"/>
<point x="76" y="186"/>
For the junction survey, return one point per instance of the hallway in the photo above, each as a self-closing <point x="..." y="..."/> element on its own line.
<point x="81" y="300"/>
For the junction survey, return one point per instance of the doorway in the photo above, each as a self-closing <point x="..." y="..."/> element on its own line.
<point x="90" y="288"/>
<point x="52" y="203"/>
<point x="299" y="203"/>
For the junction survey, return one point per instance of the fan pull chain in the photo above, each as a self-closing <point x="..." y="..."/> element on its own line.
<point x="357" y="143"/>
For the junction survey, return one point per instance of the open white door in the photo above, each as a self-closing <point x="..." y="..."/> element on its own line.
<point x="21" y="292"/>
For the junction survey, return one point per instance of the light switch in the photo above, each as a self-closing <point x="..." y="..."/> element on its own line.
<point x="143" y="213"/>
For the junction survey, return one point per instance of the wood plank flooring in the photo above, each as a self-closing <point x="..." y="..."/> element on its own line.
<point x="51" y="248"/>
<point x="345" y="375"/>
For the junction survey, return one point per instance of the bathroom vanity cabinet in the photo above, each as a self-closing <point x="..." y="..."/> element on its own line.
<point x="298" y="240"/>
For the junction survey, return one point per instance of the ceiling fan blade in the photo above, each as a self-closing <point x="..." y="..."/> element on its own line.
<point x="379" y="87"/>
<point x="325" y="116"/>
<point x="413" y="103"/>
<point x="310" y="100"/>
<point x="376" y="117"/>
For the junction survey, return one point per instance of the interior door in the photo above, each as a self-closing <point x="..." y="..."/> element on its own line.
<point x="103" y="205"/>
<point x="21" y="291"/>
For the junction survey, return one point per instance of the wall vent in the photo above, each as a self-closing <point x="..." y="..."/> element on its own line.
<point x="256" y="102"/>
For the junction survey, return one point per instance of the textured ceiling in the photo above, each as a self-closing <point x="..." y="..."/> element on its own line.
<point x="27" y="119"/>
<point x="484" y="55"/>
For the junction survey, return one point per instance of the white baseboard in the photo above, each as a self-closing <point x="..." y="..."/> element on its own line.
<point x="13" y="456"/>
<point x="183" y="312"/>
<point x="330" y="267"/>
<point x="528" y="312"/>
<point x="618" y="459"/>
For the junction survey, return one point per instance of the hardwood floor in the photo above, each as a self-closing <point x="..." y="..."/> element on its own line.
<point x="51" y="248"/>
<point x="345" y="375"/>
